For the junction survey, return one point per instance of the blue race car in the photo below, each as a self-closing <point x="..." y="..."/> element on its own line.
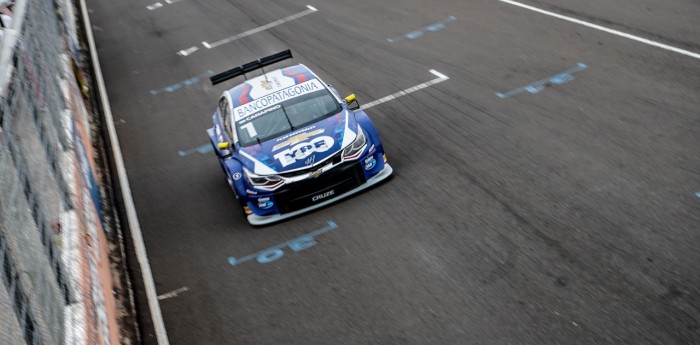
<point x="289" y="143"/>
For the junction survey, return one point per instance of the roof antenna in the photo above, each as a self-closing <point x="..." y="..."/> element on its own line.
<point x="264" y="74"/>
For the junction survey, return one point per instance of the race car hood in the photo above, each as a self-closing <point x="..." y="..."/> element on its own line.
<point x="302" y="148"/>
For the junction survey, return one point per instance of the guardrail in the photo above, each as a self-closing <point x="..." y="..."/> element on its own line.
<point x="54" y="265"/>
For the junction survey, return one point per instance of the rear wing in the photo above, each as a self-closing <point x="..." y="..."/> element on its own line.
<point x="251" y="66"/>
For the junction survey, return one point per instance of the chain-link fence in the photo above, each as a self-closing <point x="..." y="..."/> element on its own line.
<point x="52" y="250"/>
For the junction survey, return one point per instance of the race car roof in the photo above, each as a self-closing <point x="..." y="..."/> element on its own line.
<point x="269" y="83"/>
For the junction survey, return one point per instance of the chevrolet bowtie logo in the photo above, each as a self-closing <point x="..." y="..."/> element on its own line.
<point x="316" y="173"/>
<point x="266" y="85"/>
<point x="297" y="138"/>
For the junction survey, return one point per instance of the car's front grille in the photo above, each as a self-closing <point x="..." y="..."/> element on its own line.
<point x="311" y="191"/>
<point x="334" y="160"/>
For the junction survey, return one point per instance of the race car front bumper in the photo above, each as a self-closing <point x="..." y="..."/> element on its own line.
<point x="255" y="219"/>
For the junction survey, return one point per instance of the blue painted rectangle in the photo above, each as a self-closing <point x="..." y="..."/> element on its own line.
<point x="538" y="86"/>
<point x="184" y="83"/>
<point x="199" y="149"/>
<point x="419" y="33"/>
<point x="275" y="252"/>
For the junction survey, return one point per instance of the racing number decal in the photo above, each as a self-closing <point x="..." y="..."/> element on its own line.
<point x="303" y="150"/>
<point x="250" y="129"/>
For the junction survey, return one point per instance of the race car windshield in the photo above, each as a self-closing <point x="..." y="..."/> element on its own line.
<point x="286" y="116"/>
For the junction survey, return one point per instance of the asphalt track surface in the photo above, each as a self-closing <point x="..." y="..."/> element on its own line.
<point x="566" y="216"/>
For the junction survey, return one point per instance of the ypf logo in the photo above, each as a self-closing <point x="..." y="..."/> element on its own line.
<point x="303" y="150"/>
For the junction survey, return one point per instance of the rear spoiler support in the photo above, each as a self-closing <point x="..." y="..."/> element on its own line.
<point x="251" y="66"/>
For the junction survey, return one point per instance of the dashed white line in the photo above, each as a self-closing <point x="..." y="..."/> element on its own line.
<point x="604" y="29"/>
<point x="173" y="293"/>
<point x="440" y="78"/>
<point x="187" y="51"/>
<point x="310" y="10"/>
<point x="157" y="5"/>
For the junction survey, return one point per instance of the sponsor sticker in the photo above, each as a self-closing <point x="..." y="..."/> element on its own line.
<point x="303" y="150"/>
<point x="371" y="149"/>
<point x="258" y="114"/>
<point x="370" y="162"/>
<point x="264" y="203"/>
<point x="237" y="176"/>
<point x="297" y="138"/>
<point x="275" y="81"/>
<point x="277" y="97"/>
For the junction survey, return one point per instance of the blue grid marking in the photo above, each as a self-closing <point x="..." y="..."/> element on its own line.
<point x="421" y="32"/>
<point x="536" y="87"/>
<point x="275" y="252"/>
<point x="184" y="83"/>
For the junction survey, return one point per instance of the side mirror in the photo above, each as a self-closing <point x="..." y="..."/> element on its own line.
<point x="351" y="101"/>
<point x="224" y="146"/>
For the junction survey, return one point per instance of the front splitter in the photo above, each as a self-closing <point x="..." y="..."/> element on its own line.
<point x="254" y="219"/>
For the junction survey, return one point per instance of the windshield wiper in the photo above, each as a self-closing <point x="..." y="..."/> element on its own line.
<point x="287" y="117"/>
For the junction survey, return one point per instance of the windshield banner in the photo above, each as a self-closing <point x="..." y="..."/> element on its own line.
<point x="276" y="97"/>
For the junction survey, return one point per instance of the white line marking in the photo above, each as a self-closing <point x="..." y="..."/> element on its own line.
<point x="310" y="10"/>
<point x="173" y="293"/>
<point x="187" y="51"/>
<point x="608" y="30"/>
<point x="157" y="5"/>
<point x="132" y="218"/>
<point x="440" y="78"/>
<point x="438" y="74"/>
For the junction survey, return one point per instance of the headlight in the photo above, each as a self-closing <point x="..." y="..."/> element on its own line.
<point x="354" y="150"/>
<point x="263" y="181"/>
